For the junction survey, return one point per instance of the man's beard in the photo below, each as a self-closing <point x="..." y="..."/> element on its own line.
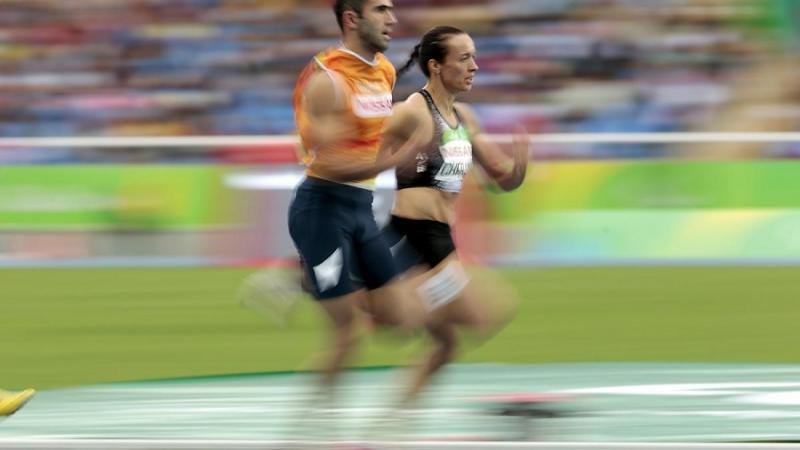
<point x="372" y="42"/>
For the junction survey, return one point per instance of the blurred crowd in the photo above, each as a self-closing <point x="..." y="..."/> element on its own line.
<point x="227" y="67"/>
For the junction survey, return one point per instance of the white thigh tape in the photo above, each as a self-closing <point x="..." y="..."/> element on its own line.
<point x="444" y="286"/>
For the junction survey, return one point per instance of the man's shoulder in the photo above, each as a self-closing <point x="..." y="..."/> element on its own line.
<point x="328" y="56"/>
<point x="384" y="62"/>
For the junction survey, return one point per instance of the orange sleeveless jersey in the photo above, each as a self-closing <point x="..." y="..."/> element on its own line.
<point x="368" y="103"/>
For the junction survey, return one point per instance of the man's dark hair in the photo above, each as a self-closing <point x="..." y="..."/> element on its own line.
<point x="340" y="6"/>
<point x="430" y="47"/>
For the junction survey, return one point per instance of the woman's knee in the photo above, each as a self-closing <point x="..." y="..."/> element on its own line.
<point x="445" y="338"/>
<point x="397" y="305"/>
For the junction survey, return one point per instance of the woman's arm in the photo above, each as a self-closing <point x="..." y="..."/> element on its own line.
<point x="508" y="173"/>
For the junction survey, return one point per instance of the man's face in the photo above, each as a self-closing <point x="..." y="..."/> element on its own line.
<point x="374" y="26"/>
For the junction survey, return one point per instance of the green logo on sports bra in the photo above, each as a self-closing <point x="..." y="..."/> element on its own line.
<point x="459" y="134"/>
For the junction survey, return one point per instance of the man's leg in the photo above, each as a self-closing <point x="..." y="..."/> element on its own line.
<point x="343" y="341"/>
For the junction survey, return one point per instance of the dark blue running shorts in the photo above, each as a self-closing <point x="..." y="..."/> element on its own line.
<point x="334" y="230"/>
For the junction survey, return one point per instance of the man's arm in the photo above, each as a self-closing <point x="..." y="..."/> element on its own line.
<point x="328" y="125"/>
<point x="400" y="142"/>
<point x="324" y="103"/>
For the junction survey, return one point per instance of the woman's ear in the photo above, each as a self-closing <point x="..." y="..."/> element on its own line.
<point x="434" y="67"/>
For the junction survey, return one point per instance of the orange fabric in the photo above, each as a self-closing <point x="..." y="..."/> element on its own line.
<point x="367" y="102"/>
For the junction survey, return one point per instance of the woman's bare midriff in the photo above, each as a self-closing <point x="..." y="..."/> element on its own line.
<point x="424" y="203"/>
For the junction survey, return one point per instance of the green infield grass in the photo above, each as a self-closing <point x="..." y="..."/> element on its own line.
<point x="65" y="327"/>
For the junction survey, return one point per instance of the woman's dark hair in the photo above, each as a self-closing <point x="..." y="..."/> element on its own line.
<point x="430" y="47"/>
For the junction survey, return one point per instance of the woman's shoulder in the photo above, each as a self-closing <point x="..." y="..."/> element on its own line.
<point x="415" y="99"/>
<point x="414" y="106"/>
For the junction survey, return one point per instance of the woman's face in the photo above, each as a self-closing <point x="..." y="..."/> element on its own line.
<point x="458" y="70"/>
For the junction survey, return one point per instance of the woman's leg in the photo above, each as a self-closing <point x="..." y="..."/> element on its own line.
<point x="457" y="303"/>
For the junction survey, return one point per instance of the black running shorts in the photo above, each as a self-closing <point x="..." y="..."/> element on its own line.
<point x="415" y="241"/>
